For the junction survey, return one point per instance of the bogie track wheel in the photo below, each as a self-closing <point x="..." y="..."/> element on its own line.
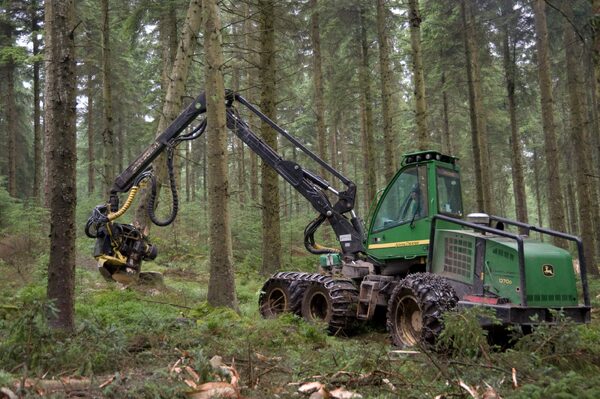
<point x="274" y="298"/>
<point x="330" y="301"/>
<point x="316" y="305"/>
<point x="416" y="307"/>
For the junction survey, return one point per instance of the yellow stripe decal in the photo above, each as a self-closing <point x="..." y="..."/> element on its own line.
<point x="399" y="244"/>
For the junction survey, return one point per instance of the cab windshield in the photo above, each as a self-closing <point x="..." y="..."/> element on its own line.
<point x="448" y="191"/>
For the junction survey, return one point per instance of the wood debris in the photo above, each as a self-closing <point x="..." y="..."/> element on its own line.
<point x="471" y="390"/>
<point x="226" y="384"/>
<point x="211" y="390"/>
<point x="318" y="390"/>
<point x="7" y="393"/>
<point x="514" y="378"/>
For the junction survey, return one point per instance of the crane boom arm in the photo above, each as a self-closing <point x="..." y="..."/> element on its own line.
<point x="340" y="215"/>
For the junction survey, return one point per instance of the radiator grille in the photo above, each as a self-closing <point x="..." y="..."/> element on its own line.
<point x="458" y="256"/>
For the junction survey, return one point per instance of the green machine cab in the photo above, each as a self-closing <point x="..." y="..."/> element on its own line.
<point x="427" y="184"/>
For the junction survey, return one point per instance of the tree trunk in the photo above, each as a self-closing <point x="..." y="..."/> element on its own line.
<point x="478" y="124"/>
<point x="515" y="138"/>
<point x="271" y="231"/>
<point x="318" y="83"/>
<point x="60" y="129"/>
<point x="172" y="104"/>
<point x="387" y="88"/>
<point x="414" y="18"/>
<point x="538" y="194"/>
<point x="595" y="23"/>
<point x="446" y="136"/>
<point x="370" y="180"/>
<point x="7" y="74"/>
<point x="90" y="130"/>
<point x="579" y="135"/>
<point x="37" y="125"/>
<point x="221" y="287"/>
<point x="554" y="193"/>
<point x="167" y="28"/>
<point x="11" y="126"/>
<point x="188" y="171"/>
<point x="251" y="81"/>
<point x="107" y="133"/>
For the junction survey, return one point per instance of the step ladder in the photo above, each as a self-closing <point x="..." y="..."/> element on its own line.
<point x="367" y="299"/>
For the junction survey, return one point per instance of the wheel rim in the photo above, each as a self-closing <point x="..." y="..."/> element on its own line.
<point x="276" y="301"/>
<point x="409" y="320"/>
<point x="318" y="306"/>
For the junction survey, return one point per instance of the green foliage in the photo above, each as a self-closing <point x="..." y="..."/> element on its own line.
<point x="569" y="385"/>
<point x="27" y="340"/>
<point x="463" y="333"/>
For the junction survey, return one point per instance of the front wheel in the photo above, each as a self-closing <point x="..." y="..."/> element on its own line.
<point x="416" y="307"/>
<point x="332" y="301"/>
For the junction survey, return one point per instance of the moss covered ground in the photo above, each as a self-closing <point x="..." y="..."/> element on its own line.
<point x="145" y="342"/>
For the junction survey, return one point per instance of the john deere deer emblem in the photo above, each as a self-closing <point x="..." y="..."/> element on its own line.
<point x="548" y="270"/>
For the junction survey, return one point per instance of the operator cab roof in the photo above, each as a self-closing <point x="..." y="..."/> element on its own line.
<point x="427" y="155"/>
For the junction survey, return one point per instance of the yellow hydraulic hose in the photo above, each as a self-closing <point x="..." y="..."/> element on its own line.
<point x="321" y="247"/>
<point x="114" y="215"/>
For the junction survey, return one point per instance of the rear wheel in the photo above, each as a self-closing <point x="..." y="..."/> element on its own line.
<point x="416" y="307"/>
<point x="316" y="305"/>
<point x="274" y="298"/>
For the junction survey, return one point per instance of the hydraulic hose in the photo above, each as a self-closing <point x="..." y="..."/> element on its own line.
<point x="153" y="194"/>
<point x="309" y="238"/>
<point x="115" y="215"/>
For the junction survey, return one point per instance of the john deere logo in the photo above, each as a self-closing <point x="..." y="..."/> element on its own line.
<point x="548" y="270"/>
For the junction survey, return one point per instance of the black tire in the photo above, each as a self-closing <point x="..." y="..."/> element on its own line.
<point x="416" y="307"/>
<point x="317" y="304"/>
<point x="330" y="301"/>
<point x="297" y="290"/>
<point x="274" y="298"/>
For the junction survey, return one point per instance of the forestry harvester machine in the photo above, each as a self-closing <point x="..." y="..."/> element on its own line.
<point x="419" y="258"/>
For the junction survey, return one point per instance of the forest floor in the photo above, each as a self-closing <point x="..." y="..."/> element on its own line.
<point x="166" y="342"/>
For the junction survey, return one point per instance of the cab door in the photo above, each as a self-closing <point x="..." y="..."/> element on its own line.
<point x="399" y="227"/>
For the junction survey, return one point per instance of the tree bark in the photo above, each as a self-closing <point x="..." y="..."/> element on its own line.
<point x="446" y="135"/>
<point x="11" y="116"/>
<point x="271" y="230"/>
<point x="7" y="74"/>
<point x="90" y="130"/>
<point x="478" y="124"/>
<point x="414" y="18"/>
<point x="538" y="192"/>
<point x="370" y="180"/>
<point x="60" y="130"/>
<point x="318" y="82"/>
<point x="579" y="135"/>
<point x="387" y="88"/>
<point x="221" y="287"/>
<point x="167" y="28"/>
<point x="37" y="125"/>
<point x="175" y="90"/>
<point x="108" y="133"/>
<point x="554" y="193"/>
<point x="595" y="23"/>
<point x="515" y="139"/>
